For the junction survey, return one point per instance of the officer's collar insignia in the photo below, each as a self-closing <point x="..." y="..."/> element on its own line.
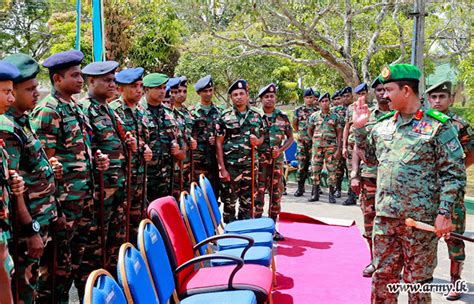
<point x="386" y="73"/>
<point x="419" y="114"/>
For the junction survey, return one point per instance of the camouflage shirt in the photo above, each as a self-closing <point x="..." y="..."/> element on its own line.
<point x="5" y="194"/>
<point x="340" y="111"/>
<point x="108" y="137"/>
<point x="204" y="126"/>
<point x="301" y="118"/>
<point x="466" y="134"/>
<point x="61" y="125"/>
<point x="325" y="128"/>
<point x="420" y="165"/>
<point x="236" y="129"/>
<point x="277" y="125"/>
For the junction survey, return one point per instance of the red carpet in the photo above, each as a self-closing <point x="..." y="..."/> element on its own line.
<point x="320" y="263"/>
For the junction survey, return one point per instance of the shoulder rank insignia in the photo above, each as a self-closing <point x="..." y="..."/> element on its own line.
<point x="437" y="115"/>
<point x="390" y="114"/>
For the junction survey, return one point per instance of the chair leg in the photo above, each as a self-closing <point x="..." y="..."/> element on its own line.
<point x="274" y="270"/>
<point x="287" y="171"/>
<point x="175" y="297"/>
<point x="270" y="298"/>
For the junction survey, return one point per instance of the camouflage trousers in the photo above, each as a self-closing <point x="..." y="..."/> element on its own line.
<point x="211" y="172"/>
<point x="159" y="182"/>
<point x="304" y="160"/>
<point x="321" y="156"/>
<point x="396" y="248"/>
<point x="341" y="168"/>
<point x="114" y="231"/>
<point x="27" y="269"/>
<point x="238" y="189"/>
<point x="6" y="267"/>
<point x="367" y="206"/>
<point x="350" y="149"/>
<point x="178" y="179"/>
<point x="456" y="247"/>
<point x="264" y="179"/>
<point x="71" y="243"/>
<point x="135" y="208"/>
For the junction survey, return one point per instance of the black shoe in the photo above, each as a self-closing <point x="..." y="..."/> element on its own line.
<point x="285" y="193"/>
<point x="314" y="194"/>
<point x="351" y="199"/>
<point x="337" y="193"/>
<point x="368" y="271"/>
<point x="332" y="198"/>
<point x="299" y="192"/>
<point x="278" y="237"/>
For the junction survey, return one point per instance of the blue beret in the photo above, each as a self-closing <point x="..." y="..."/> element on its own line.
<point x="361" y="87"/>
<point x="203" y="83"/>
<point x="308" y="92"/>
<point x="336" y="94"/>
<point x="376" y="82"/>
<point x="99" y="68"/>
<point x="129" y="76"/>
<point x="325" y="95"/>
<point x="8" y="71"/>
<point x="346" y="90"/>
<point x="63" y="60"/>
<point x="271" y="88"/>
<point x="27" y="66"/>
<point x="183" y="81"/>
<point x="238" y="84"/>
<point x="173" y="83"/>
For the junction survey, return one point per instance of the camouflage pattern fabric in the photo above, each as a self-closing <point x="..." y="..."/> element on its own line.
<point x="6" y="260"/>
<point x="179" y="174"/>
<point x="61" y="125"/>
<point x="324" y="145"/>
<point x="303" y="154"/>
<point x="188" y="123"/>
<point x="367" y="206"/>
<point x="341" y="168"/>
<point x="277" y="126"/>
<point x="236" y="129"/>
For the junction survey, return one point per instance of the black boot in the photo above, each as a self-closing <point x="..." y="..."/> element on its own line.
<point x="314" y="194"/>
<point x="332" y="198"/>
<point x="456" y="268"/>
<point x="351" y="198"/>
<point x="337" y="193"/>
<point x="299" y="192"/>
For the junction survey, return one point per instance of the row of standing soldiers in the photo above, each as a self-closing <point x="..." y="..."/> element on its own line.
<point x="78" y="175"/>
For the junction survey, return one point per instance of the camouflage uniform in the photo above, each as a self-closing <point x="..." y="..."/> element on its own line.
<point x="205" y="159"/>
<point x="188" y="123"/>
<point x="138" y="123"/>
<point x="341" y="111"/>
<point x="303" y="155"/>
<point x="160" y="168"/>
<point x="324" y="145"/>
<point x="61" y="125"/>
<point x="236" y="129"/>
<point x="277" y="126"/>
<point x="108" y="137"/>
<point x="184" y="132"/>
<point x="27" y="157"/>
<point x="417" y="159"/>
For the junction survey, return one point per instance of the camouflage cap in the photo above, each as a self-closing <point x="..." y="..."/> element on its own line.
<point x="443" y="86"/>
<point x="155" y="80"/>
<point x="27" y="66"/>
<point x="400" y="72"/>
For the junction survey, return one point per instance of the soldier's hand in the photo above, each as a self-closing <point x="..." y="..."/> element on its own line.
<point x="224" y="175"/>
<point x="17" y="183"/>
<point x="338" y="153"/>
<point x="253" y="140"/>
<point x="355" y="185"/>
<point x="131" y="142"/>
<point x="193" y="144"/>
<point x="102" y="161"/>
<point x="174" y="149"/>
<point x="147" y="154"/>
<point x="57" y="167"/>
<point x="345" y="152"/>
<point x="361" y="113"/>
<point x="35" y="246"/>
<point x="212" y="140"/>
<point x="275" y="152"/>
<point x="443" y="225"/>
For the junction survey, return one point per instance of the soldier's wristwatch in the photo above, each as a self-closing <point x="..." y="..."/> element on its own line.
<point x="31" y="228"/>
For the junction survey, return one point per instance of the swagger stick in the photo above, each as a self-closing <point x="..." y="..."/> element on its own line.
<point x="129" y="195"/>
<point x="102" y="220"/>
<point x="144" y="200"/>
<point x="423" y="226"/>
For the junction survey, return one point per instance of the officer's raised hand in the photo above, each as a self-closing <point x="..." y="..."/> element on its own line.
<point x="147" y="154"/>
<point x="361" y="113"/>
<point x="102" y="161"/>
<point x="131" y="142"/>
<point x="57" y="167"/>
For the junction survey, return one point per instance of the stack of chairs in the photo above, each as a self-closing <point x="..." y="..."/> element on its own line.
<point x="188" y="256"/>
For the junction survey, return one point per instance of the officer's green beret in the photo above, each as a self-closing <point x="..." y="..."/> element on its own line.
<point x="155" y="80"/>
<point x="443" y="86"/>
<point x="400" y="72"/>
<point x="27" y="66"/>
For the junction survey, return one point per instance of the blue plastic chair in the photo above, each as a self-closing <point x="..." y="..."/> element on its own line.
<point x="251" y="254"/>
<point x="134" y="276"/>
<point x="291" y="163"/>
<point x="263" y="224"/>
<point x="153" y="251"/>
<point x="102" y="288"/>
<point x="260" y="238"/>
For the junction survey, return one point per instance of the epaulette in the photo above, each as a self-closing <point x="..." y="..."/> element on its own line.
<point x="227" y="110"/>
<point x="6" y="124"/>
<point x="389" y="114"/>
<point x="49" y="102"/>
<point x="437" y="115"/>
<point x="257" y="110"/>
<point x="85" y="103"/>
<point x="114" y="105"/>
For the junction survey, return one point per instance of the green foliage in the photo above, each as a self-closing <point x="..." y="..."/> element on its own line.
<point x="466" y="112"/>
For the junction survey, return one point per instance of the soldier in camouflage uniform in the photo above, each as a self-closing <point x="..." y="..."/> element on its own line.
<point x="29" y="159"/>
<point x="278" y="136"/>
<point x="107" y="136"/>
<point x="64" y="133"/>
<point x="420" y="175"/>
<point x="238" y="129"/>
<point x="300" y="124"/>
<point x="205" y="115"/>
<point x="326" y="133"/>
<point x="439" y="98"/>
<point x="364" y="177"/>
<point x="135" y="120"/>
<point x="336" y="98"/>
<point x="164" y="141"/>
